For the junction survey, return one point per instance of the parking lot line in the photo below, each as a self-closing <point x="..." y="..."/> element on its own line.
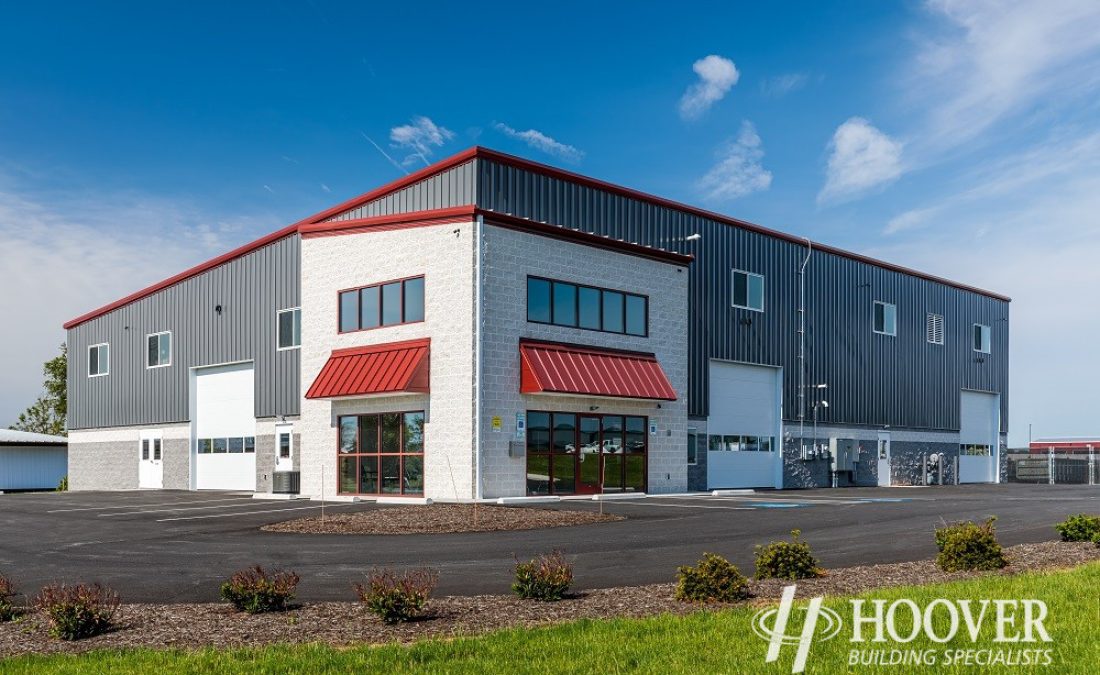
<point x="246" y="502"/>
<point x="251" y="513"/>
<point x="133" y="506"/>
<point x="681" y="506"/>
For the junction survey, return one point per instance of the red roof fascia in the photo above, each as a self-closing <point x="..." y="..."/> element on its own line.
<point x="392" y="368"/>
<point x="550" y="367"/>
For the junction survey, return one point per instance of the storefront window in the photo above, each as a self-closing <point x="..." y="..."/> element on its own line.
<point x="381" y="454"/>
<point x="570" y="453"/>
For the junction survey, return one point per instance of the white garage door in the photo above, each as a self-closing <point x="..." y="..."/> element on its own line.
<point x="979" y="419"/>
<point x="225" y="428"/>
<point x="744" y="427"/>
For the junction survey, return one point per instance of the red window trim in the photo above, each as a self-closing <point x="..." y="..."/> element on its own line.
<point x="359" y="309"/>
<point x="577" y="307"/>
<point x="576" y="433"/>
<point x="400" y="454"/>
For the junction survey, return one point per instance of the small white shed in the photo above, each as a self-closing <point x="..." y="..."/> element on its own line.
<point x="31" y="461"/>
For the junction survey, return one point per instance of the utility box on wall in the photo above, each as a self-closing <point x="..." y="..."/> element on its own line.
<point x="845" y="453"/>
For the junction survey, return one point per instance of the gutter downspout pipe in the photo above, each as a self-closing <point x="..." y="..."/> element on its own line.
<point x="802" y="348"/>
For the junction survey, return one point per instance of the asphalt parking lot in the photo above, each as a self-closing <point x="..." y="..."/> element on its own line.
<point x="166" y="546"/>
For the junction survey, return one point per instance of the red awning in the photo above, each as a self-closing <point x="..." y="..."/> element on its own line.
<point x="394" y="368"/>
<point x="547" y="367"/>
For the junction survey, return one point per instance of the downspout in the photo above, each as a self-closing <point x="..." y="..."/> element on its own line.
<point x="479" y="226"/>
<point x="802" y="348"/>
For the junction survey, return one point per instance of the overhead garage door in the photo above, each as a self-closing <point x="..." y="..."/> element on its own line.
<point x="744" y="426"/>
<point x="225" y="428"/>
<point x="979" y="419"/>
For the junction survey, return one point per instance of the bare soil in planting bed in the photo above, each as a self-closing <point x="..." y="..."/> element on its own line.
<point x="440" y="519"/>
<point x="346" y="623"/>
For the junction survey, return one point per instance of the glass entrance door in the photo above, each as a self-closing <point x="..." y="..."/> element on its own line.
<point x="588" y="455"/>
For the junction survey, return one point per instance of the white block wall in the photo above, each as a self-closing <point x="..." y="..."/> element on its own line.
<point x="510" y="256"/>
<point x="444" y="255"/>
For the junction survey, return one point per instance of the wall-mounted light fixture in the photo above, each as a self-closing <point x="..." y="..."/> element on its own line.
<point x="218" y="309"/>
<point x="593" y="408"/>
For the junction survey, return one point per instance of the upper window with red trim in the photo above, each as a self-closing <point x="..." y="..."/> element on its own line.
<point x="566" y="304"/>
<point x="386" y="304"/>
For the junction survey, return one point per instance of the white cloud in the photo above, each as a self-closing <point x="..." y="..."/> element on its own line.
<point x="909" y="220"/>
<point x="738" y="171"/>
<point x="64" y="254"/>
<point x="419" y="139"/>
<point x="986" y="62"/>
<point x="717" y="75"/>
<point x="540" y="141"/>
<point x="781" y="85"/>
<point x="861" y="158"/>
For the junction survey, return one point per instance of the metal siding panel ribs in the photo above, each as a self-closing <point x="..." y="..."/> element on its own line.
<point x="250" y="289"/>
<point x="573" y="369"/>
<point x="901" y="381"/>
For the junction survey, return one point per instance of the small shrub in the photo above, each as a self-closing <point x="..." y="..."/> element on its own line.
<point x="713" y="579"/>
<point x="969" y="546"/>
<point x="1081" y="527"/>
<point x="255" y="590"/>
<point x="397" y="597"/>
<point x="78" y="611"/>
<point x="546" y="577"/>
<point x="8" y="608"/>
<point x="63" y="484"/>
<point x="786" y="560"/>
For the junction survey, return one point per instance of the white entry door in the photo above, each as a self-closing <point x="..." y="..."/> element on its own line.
<point x="745" y="426"/>
<point x="224" y="415"/>
<point x="883" y="459"/>
<point x="284" y="447"/>
<point x="151" y="460"/>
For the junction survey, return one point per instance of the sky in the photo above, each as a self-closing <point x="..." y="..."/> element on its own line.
<point x="959" y="138"/>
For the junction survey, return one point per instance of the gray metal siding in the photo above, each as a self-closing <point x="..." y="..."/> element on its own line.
<point x="250" y="290"/>
<point x="453" y="187"/>
<point x="873" y="380"/>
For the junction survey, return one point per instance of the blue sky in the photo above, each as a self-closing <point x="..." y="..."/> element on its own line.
<point x="962" y="138"/>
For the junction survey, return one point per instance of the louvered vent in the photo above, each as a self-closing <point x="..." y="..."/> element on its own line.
<point x="935" y="329"/>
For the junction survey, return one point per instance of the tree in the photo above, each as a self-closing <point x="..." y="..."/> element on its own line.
<point x="47" y="414"/>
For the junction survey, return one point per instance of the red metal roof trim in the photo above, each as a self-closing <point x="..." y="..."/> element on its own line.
<point x="550" y="367"/>
<point x="393" y="368"/>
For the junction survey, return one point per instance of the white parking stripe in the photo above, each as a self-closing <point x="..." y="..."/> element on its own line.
<point x="250" y="513"/>
<point x="246" y="502"/>
<point x="680" y="506"/>
<point x="136" y="506"/>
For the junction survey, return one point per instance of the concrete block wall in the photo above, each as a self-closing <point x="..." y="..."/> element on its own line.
<point x="107" y="459"/>
<point x="444" y="255"/>
<point x="509" y="257"/>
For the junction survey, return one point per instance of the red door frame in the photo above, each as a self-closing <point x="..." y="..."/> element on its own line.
<point x="581" y="458"/>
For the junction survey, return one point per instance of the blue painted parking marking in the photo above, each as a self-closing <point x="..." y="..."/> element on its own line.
<point x="777" y="505"/>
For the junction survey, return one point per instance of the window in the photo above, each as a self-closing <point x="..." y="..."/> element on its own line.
<point x="982" y="339"/>
<point x="221" y="446"/>
<point x="99" y="360"/>
<point x="973" y="450"/>
<point x="156" y="449"/>
<point x="159" y="350"/>
<point x="381" y="454"/>
<point x="565" y="304"/>
<point x="388" y="304"/>
<point x="736" y="443"/>
<point x="284" y="445"/>
<point x="570" y="453"/>
<point x="935" y="329"/>
<point x="886" y="318"/>
<point x="748" y="290"/>
<point x="693" y="447"/>
<point x="290" y="328"/>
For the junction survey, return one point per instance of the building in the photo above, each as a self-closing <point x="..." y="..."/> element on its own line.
<point x="31" y="461"/>
<point x="1065" y="445"/>
<point x="493" y="327"/>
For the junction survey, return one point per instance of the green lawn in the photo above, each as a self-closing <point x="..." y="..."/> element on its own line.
<point x="705" y="642"/>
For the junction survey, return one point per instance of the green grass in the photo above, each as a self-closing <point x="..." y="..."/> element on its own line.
<point x="704" y="642"/>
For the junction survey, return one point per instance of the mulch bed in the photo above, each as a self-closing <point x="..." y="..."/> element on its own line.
<point x="440" y="519"/>
<point x="345" y="623"/>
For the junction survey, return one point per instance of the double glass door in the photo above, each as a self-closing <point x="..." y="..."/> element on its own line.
<point x="570" y="453"/>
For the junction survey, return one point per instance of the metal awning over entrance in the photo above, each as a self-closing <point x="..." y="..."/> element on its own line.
<point x="393" y="368"/>
<point x="550" y="367"/>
